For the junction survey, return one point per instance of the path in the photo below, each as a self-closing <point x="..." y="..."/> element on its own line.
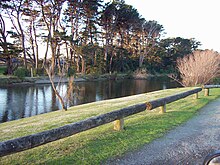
<point x="187" y="144"/>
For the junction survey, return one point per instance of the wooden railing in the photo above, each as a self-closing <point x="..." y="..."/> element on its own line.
<point x="207" y="87"/>
<point x="34" y="140"/>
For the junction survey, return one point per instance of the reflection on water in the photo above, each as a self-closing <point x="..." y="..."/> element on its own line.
<point x="24" y="101"/>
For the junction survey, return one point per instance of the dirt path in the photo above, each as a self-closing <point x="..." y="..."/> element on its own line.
<point x="187" y="144"/>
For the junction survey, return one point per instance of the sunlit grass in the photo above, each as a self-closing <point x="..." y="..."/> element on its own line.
<point x="97" y="145"/>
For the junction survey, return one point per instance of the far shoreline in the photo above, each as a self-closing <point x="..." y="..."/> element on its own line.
<point x="11" y="81"/>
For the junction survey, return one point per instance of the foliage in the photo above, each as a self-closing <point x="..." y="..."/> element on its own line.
<point x="198" y="68"/>
<point x="98" y="145"/>
<point x="71" y="71"/>
<point x="39" y="72"/>
<point x="215" y="81"/>
<point x="2" y="70"/>
<point x="21" y="72"/>
<point x="164" y="56"/>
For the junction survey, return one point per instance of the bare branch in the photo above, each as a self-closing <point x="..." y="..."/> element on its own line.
<point x="198" y="68"/>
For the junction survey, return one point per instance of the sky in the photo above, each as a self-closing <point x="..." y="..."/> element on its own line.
<point x="199" y="19"/>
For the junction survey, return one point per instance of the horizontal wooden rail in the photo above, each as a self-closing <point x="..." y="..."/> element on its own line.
<point x="211" y="86"/>
<point x="207" y="87"/>
<point x="34" y="140"/>
<point x="163" y="101"/>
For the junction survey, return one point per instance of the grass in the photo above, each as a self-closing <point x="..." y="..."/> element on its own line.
<point x="102" y="143"/>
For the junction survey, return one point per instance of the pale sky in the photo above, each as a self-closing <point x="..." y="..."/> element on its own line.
<point x="199" y="19"/>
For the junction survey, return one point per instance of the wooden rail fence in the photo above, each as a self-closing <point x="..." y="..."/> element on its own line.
<point x="34" y="140"/>
<point x="207" y="87"/>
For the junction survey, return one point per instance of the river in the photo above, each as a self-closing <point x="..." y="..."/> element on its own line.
<point x="20" y="101"/>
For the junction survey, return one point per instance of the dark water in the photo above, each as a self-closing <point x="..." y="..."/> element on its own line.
<point x="24" y="101"/>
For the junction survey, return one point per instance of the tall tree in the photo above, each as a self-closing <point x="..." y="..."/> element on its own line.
<point x="7" y="49"/>
<point x="151" y="32"/>
<point x="172" y="48"/>
<point x="90" y="19"/>
<point x="14" y="11"/>
<point x="108" y="22"/>
<point x="32" y="15"/>
<point x="73" y="16"/>
<point x="51" y="14"/>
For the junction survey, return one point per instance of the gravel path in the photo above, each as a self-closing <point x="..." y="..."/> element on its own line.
<point x="187" y="144"/>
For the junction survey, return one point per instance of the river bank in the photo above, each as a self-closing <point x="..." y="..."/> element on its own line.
<point x="13" y="80"/>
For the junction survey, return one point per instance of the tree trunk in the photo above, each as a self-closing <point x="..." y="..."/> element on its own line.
<point x="77" y="64"/>
<point x="22" y="40"/>
<point x="9" y="66"/>
<point x="32" y="42"/>
<point x="46" y="52"/>
<point x="83" y="71"/>
<point x="141" y="60"/>
<point x="37" y="47"/>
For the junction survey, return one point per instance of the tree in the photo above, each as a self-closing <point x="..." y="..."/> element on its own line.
<point x="32" y="16"/>
<point x="165" y="54"/>
<point x="90" y="19"/>
<point x="198" y="68"/>
<point x="73" y="16"/>
<point x="8" y="50"/>
<point x="108" y="22"/>
<point x="14" y="11"/>
<point x="51" y="14"/>
<point x="150" y="34"/>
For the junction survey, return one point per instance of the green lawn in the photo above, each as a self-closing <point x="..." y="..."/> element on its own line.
<point x="99" y="144"/>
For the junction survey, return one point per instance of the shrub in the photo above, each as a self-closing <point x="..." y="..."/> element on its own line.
<point x="71" y="71"/>
<point x="39" y="72"/>
<point x="198" y="68"/>
<point x="141" y="73"/>
<point x="2" y="70"/>
<point x="21" y="73"/>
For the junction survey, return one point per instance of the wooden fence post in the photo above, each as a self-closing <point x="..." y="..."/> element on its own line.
<point x="119" y="124"/>
<point x="196" y="95"/>
<point x="163" y="108"/>
<point x="207" y="92"/>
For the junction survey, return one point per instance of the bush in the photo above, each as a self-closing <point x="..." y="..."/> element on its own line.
<point x="198" y="68"/>
<point x="2" y="70"/>
<point x="21" y="73"/>
<point x="71" y="71"/>
<point x="141" y="73"/>
<point x="216" y="81"/>
<point x="39" y="72"/>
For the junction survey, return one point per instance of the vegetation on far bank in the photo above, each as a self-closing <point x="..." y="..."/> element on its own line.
<point x="97" y="145"/>
<point x="141" y="74"/>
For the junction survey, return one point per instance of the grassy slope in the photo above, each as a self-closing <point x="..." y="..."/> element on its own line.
<point x="97" y="145"/>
